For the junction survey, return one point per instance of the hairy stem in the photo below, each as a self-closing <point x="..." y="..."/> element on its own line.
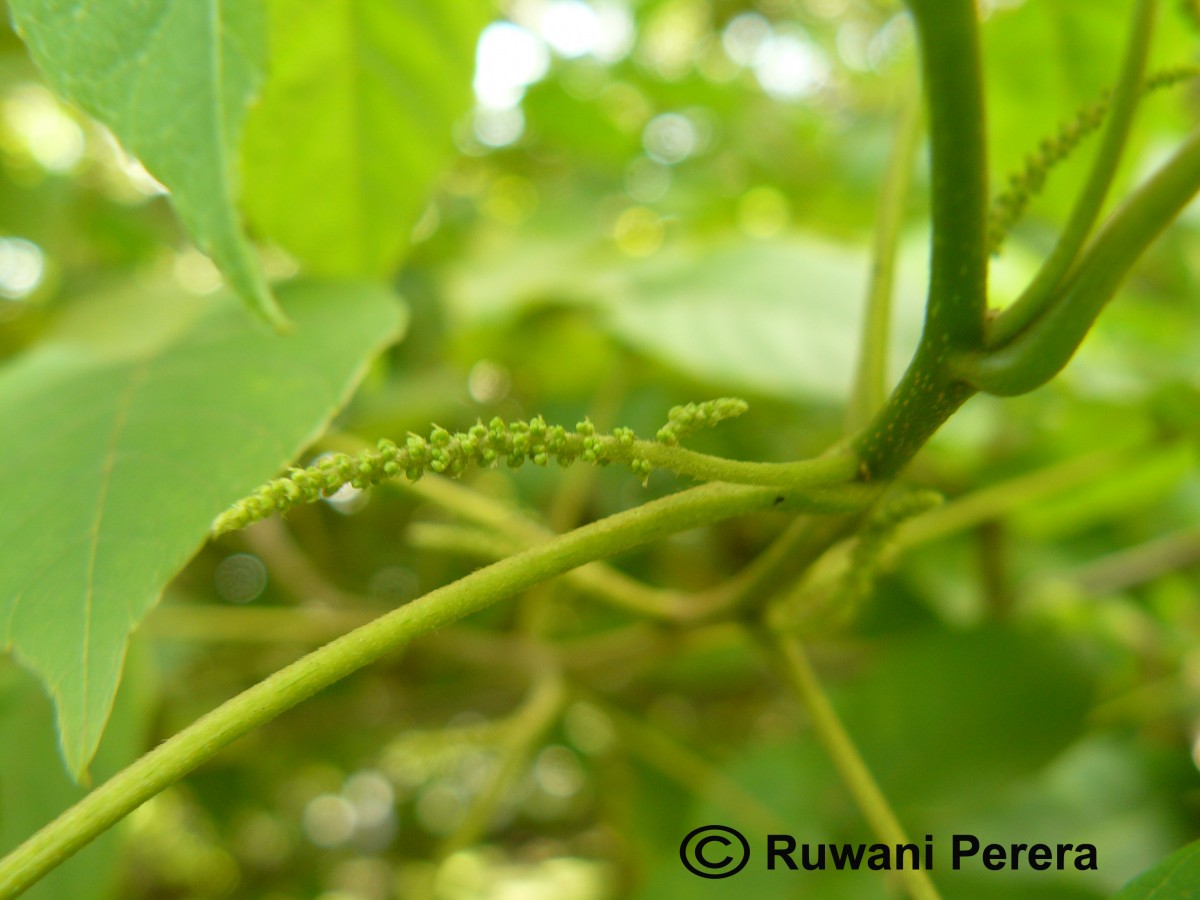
<point x="197" y="743"/>
<point x="701" y="466"/>
<point x="1042" y="290"/>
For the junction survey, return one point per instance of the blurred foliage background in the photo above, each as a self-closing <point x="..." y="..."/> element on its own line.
<point x="656" y="202"/>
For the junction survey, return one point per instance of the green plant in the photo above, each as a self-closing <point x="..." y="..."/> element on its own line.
<point x="194" y="406"/>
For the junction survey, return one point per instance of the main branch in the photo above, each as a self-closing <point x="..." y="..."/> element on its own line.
<point x="929" y="392"/>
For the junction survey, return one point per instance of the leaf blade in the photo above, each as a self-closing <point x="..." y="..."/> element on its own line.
<point x="1175" y="878"/>
<point x="129" y="450"/>
<point x="172" y="81"/>
<point x="383" y="84"/>
<point x="34" y="788"/>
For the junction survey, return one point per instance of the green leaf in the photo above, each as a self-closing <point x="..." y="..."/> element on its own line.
<point x="779" y="317"/>
<point x="34" y="788"/>
<point x="942" y="716"/>
<point x="1175" y="878"/>
<point x="140" y="419"/>
<point x="355" y="123"/>
<point x="172" y="81"/>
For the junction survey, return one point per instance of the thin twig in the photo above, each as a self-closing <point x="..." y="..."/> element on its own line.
<point x="522" y="734"/>
<point x="870" y="386"/>
<point x="847" y="760"/>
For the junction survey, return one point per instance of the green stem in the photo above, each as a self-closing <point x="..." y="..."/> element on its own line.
<point x="594" y="580"/>
<point x="521" y="737"/>
<point x="991" y="503"/>
<point x="775" y="568"/>
<point x="929" y="392"/>
<point x="805" y="473"/>
<point x="870" y="386"/>
<point x="208" y="622"/>
<point x="197" y="743"/>
<point x="1139" y="564"/>
<point x="782" y="563"/>
<point x="847" y="760"/>
<point x="1022" y="186"/>
<point x="1042" y="350"/>
<point x="1043" y="289"/>
<point x="949" y="44"/>
<point x="459" y="540"/>
<point x="691" y="771"/>
<point x="597" y="579"/>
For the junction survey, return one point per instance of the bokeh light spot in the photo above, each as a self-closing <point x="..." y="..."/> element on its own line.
<point x="22" y="266"/>
<point x="240" y="578"/>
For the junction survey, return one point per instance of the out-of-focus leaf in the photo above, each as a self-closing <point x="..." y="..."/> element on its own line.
<point x="779" y="317"/>
<point x="140" y="419"/>
<point x="1104" y="790"/>
<point x="509" y="271"/>
<point x="34" y="788"/>
<point x="1141" y="484"/>
<point x="172" y="80"/>
<point x="1175" y="878"/>
<point x="355" y="123"/>
<point x="943" y="715"/>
